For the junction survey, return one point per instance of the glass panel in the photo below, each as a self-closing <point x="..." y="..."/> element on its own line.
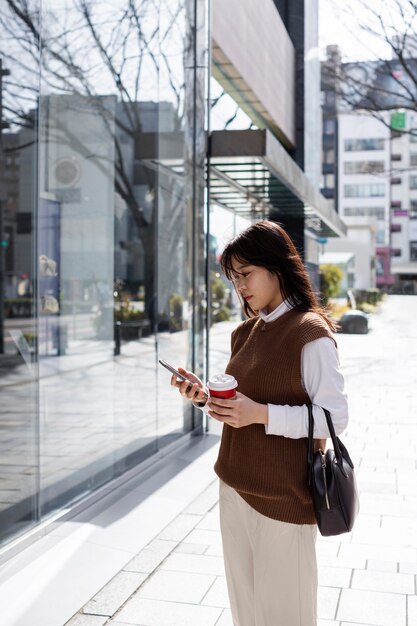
<point x="19" y="451"/>
<point x="117" y="207"/>
<point x="123" y="239"/>
<point x="181" y="208"/>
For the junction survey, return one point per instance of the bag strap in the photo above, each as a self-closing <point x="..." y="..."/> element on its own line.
<point x="310" y="452"/>
<point x="334" y="438"/>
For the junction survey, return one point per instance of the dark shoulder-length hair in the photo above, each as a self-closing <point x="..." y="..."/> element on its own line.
<point x="266" y="244"/>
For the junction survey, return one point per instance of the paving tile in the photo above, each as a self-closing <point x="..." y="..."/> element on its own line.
<point x="327" y="622"/>
<point x="176" y="586"/>
<point x="209" y="537"/>
<point x="327" y="548"/>
<point x="383" y="581"/>
<point x="350" y="624"/>
<point x="382" y="566"/>
<point x="373" y="487"/>
<point x="159" y="613"/>
<point x="381" y="536"/>
<point x="115" y="593"/>
<point x="191" y="548"/>
<point x="367" y="521"/>
<point x="151" y="556"/>
<point x="179" y="528"/>
<point x="210" y="521"/>
<point x="408" y="568"/>
<point x="199" y="564"/>
<point x="87" y="620"/>
<point x="327" y="599"/>
<point x="217" y="594"/>
<point x="412" y="610"/>
<point x="347" y="561"/>
<point x="113" y="623"/>
<point x="216" y="550"/>
<point x="405" y="526"/>
<point x="225" y="618"/>
<point x="334" y="576"/>
<point x="206" y="501"/>
<point x="372" y="608"/>
<point x="380" y="552"/>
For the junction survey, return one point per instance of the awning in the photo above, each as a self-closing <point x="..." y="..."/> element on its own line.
<point x="252" y="174"/>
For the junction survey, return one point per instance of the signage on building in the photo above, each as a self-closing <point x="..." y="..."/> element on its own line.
<point x="398" y="120"/>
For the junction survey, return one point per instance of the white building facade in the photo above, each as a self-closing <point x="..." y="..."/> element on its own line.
<point x="404" y="205"/>
<point x="363" y="192"/>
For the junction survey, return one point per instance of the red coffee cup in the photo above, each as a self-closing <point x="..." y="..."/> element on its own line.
<point x="222" y="386"/>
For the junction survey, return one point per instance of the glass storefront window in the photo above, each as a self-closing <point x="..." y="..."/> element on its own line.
<point x="104" y="214"/>
<point x="19" y="426"/>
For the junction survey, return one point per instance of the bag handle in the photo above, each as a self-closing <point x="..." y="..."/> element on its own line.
<point x="334" y="438"/>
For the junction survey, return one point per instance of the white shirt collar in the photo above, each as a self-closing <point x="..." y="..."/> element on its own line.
<point x="276" y="313"/>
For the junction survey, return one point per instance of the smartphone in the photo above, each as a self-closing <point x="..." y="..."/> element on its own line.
<point x="177" y="373"/>
<point x="174" y="371"/>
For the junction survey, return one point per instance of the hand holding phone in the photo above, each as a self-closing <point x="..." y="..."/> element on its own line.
<point x="182" y="378"/>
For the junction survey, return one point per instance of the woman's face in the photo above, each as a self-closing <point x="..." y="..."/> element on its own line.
<point x="259" y="287"/>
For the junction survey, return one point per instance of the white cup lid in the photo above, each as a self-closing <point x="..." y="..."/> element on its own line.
<point x="222" y="382"/>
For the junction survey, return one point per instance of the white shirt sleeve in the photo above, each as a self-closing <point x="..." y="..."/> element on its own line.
<point x="204" y="408"/>
<point x="324" y="384"/>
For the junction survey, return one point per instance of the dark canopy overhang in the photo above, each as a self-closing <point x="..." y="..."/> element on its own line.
<point x="251" y="174"/>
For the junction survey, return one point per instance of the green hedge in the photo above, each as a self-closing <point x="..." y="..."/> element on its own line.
<point x="368" y="296"/>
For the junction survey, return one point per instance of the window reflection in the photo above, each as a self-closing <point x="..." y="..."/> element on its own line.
<point x="19" y="470"/>
<point x="102" y="236"/>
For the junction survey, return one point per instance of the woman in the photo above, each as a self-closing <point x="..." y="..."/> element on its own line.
<point x="284" y="357"/>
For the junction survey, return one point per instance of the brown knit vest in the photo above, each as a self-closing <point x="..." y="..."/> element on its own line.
<point x="268" y="471"/>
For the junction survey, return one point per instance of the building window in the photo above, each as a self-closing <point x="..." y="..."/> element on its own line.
<point x="372" y="190"/>
<point x="329" y="98"/>
<point x="329" y="127"/>
<point x="329" y="181"/>
<point x="380" y="266"/>
<point x="413" y="208"/>
<point x="355" y="145"/>
<point x="368" y="211"/>
<point x="413" y="135"/>
<point x="380" y="237"/>
<point x="413" y="158"/>
<point x="364" y="167"/>
<point x="413" y="250"/>
<point x="413" y="182"/>
<point x="329" y="156"/>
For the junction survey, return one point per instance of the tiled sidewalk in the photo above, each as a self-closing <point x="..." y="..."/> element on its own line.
<point x="178" y="579"/>
<point x="180" y="574"/>
<point x="367" y="578"/>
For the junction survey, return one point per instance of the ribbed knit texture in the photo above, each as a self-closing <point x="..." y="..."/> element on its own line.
<point x="270" y="471"/>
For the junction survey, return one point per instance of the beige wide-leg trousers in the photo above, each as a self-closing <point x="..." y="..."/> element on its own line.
<point x="271" y="567"/>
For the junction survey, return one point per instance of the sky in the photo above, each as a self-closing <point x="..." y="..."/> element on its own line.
<point x="340" y="23"/>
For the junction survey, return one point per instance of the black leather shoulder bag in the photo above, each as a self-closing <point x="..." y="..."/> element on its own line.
<point x="332" y="482"/>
